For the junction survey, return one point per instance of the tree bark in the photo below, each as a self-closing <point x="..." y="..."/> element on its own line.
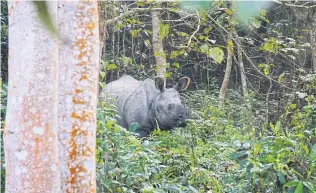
<point x="78" y="84"/>
<point x="241" y="67"/>
<point x="313" y="45"/>
<point x="158" y="46"/>
<point x="229" y="64"/>
<point x="51" y="123"/>
<point x="30" y="136"/>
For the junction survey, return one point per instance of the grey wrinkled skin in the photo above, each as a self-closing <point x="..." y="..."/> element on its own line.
<point x="147" y="103"/>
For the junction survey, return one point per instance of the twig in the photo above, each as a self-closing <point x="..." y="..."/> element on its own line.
<point x="294" y="5"/>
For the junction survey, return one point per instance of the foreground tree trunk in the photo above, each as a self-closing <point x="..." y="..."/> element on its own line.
<point x="157" y="45"/>
<point x="30" y="136"/>
<point x="78" y="84"/>
<point x="52" y="96"/>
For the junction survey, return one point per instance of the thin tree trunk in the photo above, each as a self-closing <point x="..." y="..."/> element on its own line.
<point x="313" y="45"/>
<point x="30" y="136"/>
<point x="230" y="52"/>
<point x="78" y="79"/>
<point x="242" y="73"/>
<point x="158" y="46"/>
<point x="242" y="70"/>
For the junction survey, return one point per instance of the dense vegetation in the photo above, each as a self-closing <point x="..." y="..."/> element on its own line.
<point x="264" y="141"/>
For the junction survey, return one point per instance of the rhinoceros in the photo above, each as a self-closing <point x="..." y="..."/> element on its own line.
<point x="147" y="104"/>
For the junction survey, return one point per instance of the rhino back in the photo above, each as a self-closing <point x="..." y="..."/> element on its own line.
<point x="118" y="87"/>
<point x="137" y="105"/>
<point x="117" y="92"/>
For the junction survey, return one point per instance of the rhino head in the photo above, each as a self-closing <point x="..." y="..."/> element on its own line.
<point x="169" y="110"/>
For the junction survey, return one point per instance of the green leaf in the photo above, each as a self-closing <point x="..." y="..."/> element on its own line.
<point x="292" y="183"/>
<point x="229" y="11"/>
<point x="263" y="12"/>
<point x="102" y="74"/>
<point x="312" y="154"/>
<point x="208" y="29"/>
<point x="167" y="74"/>
<point x="272" y="45"/>
<point x="163" y="30"/>
<point x="280" y="78"/>
<point x="111" y="66"/>
<point x="176" y="53"/>
<point x="310" y="186"/>
<point x="217" y="54"/>
<point x="262" y="65"/>
<point x="176" y="65"/>
<point x="255" y="169"/>
<point x="281" y="177"/>
<point x="299" y="188"/>
<point x="134" y="32"/>
<point x="257" y="23"/>
<point x="193" y="189"/>
<point x="102" y="84"/>
<point x="277" y="127"/>
<point x="133" y="127"/>
<point x="44" y="16"/>
<point x="266" y="70"/>
<point x="256" y="148"/>
<point x="305" y="147"/>
<point x="204" y="48"/>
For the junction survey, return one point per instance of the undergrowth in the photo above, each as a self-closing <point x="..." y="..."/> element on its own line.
<point x="220" y="150"/>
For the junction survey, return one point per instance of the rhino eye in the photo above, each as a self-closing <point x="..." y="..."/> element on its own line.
<point x="169" y="106"/>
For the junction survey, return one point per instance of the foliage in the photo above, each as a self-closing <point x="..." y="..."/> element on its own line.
<point x="3" y="102"/>
<point x="213" y="153"/>
<point x="4" y="41"/>
<point x="269" y="147"/>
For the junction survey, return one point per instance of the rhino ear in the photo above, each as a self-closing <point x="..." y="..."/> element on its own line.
<point x="160" y="83"/>
<point x="182" y="84"/>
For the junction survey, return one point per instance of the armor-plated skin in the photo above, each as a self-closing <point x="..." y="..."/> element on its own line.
<point x="147" y="103"/>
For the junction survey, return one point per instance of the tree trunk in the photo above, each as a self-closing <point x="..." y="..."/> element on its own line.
<point x="78" y="79"/>
<point x="313" y="44"/>
<point x="241" y="67"/>
<point x="30" y="136"/>
<point x="159" y="54"/>
<point x="52" y="96"/>
<point x="230" y="52"/>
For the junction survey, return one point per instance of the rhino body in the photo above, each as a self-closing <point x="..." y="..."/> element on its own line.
<point x="147" y="103"/>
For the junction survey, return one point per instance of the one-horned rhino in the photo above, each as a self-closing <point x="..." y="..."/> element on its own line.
<point x="147" y="103"/>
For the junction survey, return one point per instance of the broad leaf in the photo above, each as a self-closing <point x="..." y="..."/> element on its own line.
<point x="204" y="48"/>
<point x="163" y="30"/>
<point x="292" y="183"/>
<point x="310" y="186"/>
<point x="111" y="66"/>
<point x="299" y="188"/>
<point x="217" y="54"/>
<point x="133" y="127"/>
<point x="312" y="155"/>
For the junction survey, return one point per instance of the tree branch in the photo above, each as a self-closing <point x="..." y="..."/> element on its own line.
<point x="131" y="12"/>
<point x="293" y="5"/>
<point x="190" y="39"/>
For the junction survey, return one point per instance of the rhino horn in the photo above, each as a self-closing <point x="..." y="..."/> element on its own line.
<point x="182" y="84"/>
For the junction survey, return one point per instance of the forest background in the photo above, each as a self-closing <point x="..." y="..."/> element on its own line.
<point x="252" y="95"/>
